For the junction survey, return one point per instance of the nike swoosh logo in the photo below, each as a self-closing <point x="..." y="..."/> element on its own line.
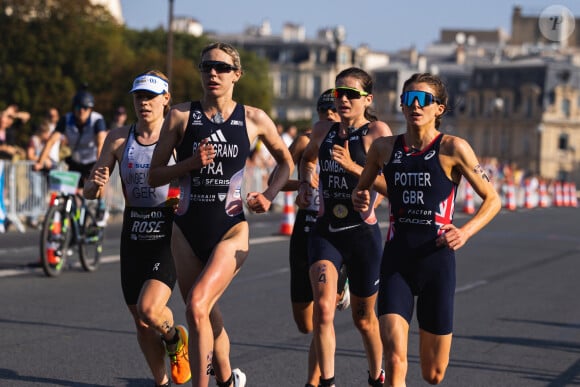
<point x="332" y="229"/>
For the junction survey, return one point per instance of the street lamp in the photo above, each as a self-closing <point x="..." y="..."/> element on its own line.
<point x="170" y="43"/>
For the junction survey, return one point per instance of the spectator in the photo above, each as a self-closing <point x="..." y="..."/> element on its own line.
<point x="8" y="151"/>
<point x="289" y="134"/>
<point x="119" y="118"/>
<point x="52" y="117"/>
<point x="35" y="145"/>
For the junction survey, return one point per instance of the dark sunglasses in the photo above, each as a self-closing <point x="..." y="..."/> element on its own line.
<point x="220" y="67"/>
<point x="424" y="98"/>
<point x="78" y="107"/>
<point x="324" y="110"/>
<point x="350" y="92"/>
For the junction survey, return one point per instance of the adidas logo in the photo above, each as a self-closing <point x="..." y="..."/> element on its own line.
<point x="218" y="136"/>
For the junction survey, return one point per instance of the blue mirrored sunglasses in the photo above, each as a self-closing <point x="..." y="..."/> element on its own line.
<point x="422" y="97"/>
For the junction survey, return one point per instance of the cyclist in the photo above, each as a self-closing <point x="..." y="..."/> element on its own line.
<point x="84" y="130"/>
<point x="147" y="269"/>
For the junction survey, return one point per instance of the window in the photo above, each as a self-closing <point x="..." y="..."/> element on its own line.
<point x="284" y="85"/>
<point x="566" y="107"/>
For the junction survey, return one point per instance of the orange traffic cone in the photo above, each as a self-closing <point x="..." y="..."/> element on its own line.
<point x="468" y="205"/>
<point x="528" y="193"/>
<point x="544" y="199"/>
<point x="510" y="196"/>
<point x="573" y="195"/>
<point x="558" y="194"/>
<point x="288" y="219"/>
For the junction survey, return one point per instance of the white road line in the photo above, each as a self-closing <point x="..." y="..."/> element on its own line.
<point x="470" y="286"/>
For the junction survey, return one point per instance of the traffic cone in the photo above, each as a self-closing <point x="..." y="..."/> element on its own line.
<point x="468" y="205"/>
<point x="573" y="195"/>
<point x="566" y="194"/>
<point x="544" y="200"/>
<point x="510" y="196"/>
<point x="288" y="217"/>
<point x="528" y="203"/>
<point x="558" y="194"/>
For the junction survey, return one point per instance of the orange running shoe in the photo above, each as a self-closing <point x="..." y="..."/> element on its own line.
<point x="180" y="372"/>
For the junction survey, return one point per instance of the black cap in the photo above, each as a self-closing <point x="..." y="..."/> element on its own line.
<point x="326" y="100"/>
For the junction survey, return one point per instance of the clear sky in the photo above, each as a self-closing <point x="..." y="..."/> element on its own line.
<point x="383" y="25"/>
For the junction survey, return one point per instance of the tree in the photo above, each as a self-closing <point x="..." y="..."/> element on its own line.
<point x="51" y="47"/>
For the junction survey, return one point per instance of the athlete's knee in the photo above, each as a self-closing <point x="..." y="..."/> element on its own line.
<point x="433" y="375"/>
<point x="196" y="312"/>
<point x="304" y="326"/>
<point x="147" y="313"/>
<point x="365" y="323"/>
<point x="395" y="364"/>
<point x="325" y="310"/>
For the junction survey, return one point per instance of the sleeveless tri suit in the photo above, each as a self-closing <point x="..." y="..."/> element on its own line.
<point x="341" y="234"/>
<point x="211" y="200"/>
<point x="147" y="222"/>
<point x="422" y="199"/>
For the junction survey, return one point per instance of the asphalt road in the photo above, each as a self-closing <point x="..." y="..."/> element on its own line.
<point x="517" y="313"/>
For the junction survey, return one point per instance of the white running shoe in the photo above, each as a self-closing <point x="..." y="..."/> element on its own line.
<point x="239" y="378"/>
<point x="344" y="301"/>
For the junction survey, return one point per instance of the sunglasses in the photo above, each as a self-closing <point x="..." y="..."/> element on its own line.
<point x="220" y="67"/>
<point x="350" y="92"/>
<point x="324" y="110"/>
<point x="82" y="107"/>
<point x="422" y="97"/>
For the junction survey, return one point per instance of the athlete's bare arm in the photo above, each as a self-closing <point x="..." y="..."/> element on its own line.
<point x="458" y="159"/>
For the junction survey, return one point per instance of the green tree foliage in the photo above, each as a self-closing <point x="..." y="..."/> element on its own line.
<point x="51" y="47"/>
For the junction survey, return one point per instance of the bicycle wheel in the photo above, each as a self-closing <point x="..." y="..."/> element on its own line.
<point x="54" y="240"/>
<point x="91" y="242"/>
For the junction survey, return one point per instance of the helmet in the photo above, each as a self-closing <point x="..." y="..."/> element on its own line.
<point x="83" y="98"/>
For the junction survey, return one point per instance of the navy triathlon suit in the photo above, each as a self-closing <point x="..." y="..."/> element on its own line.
<point x="341" y="234"/>
<point x="422" y="199"/>
<point x="300" y="289"/>
<point x="211" y="197"/>
<point x="147" y="223"/>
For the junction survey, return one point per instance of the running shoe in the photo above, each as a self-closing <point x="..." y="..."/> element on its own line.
<point x="180" y="372"/>
<point x="379" y="382"/>
<point x="239" y="378"/>
<point x="344" y="301"/>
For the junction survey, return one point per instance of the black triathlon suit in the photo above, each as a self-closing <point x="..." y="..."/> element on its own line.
<point x="341" y="234"/>
<point x="211" y="197"/>
<point x="422" y="199"/>
<point x="147" y="222"/>
<point x="300" y="288"/>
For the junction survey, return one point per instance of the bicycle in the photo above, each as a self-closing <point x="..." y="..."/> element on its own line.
<point x="69" y="221"/>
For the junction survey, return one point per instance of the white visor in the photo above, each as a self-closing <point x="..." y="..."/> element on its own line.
<point x="151" y="84"/>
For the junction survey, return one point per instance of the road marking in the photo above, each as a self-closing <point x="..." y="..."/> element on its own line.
<point x="470" y="286"/>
